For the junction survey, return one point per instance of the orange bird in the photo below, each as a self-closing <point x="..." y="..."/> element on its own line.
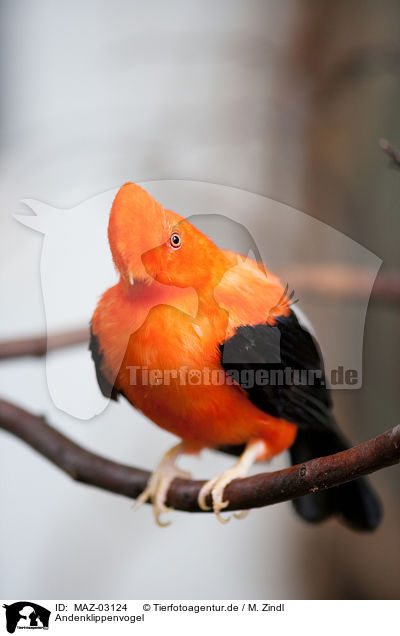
<point x="193" y="335"/>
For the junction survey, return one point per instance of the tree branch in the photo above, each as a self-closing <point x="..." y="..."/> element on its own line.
<point x="393" y="153"/>
<point x="340" y="283"/>
<point x="253" y="492"/>
<point x="40" y="345"/>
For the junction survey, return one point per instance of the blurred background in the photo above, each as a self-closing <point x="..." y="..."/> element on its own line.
<point x="286" y="100"/>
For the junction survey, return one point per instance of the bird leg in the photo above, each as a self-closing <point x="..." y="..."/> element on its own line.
<point x="217" y="485"/>
<point x="160" y="481"/>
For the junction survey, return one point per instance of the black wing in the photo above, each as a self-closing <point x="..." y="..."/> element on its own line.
<point x="301" y="397"/>
<point x="106" y="388"/>
<point x="295" y="388"/>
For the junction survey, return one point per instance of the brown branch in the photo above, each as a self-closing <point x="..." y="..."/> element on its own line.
<point x="342" y="283"/>
<point x="40" y="345"/>
<point x="253" y="492"/>
<point x="393" y="153"/>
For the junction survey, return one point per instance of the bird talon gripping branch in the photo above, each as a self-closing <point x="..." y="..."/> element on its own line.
<point x="193" y="336"/>
<point x="159" y="483"/>
<point x="216" y="486"/>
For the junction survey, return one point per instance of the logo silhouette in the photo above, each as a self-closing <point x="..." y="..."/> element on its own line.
<point x="26" y="615"/>
<point x="231" y="218"/>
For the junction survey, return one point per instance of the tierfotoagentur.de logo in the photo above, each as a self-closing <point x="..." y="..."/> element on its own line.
<point x="26" y="615"/>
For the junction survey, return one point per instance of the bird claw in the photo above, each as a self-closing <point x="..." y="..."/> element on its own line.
<point x="166" y="471"/>
<point x="242" y="514"/>
<point x="154" y="492"/>
<point x="206" y="490"/>
<point x="215" y="487"/>
<point x="158" y="486"/>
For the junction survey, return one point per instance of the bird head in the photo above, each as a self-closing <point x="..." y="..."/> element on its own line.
<point x="150" y="243"/>
<point x="187" y="258"/>
<point x="137" y="224"/>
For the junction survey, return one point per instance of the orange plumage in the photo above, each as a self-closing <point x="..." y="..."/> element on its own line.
<point x="159" y="335"/>
<point x="165" y="327"/>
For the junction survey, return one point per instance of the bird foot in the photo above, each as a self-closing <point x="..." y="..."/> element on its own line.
<point x="216" y="486"/>
<point x="159" y="483"/>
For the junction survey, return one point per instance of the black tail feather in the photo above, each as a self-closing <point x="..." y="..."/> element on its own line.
<point x="355" y="502"/>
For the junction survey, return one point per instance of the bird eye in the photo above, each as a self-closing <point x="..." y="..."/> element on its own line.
<point x="175" y="240"/>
